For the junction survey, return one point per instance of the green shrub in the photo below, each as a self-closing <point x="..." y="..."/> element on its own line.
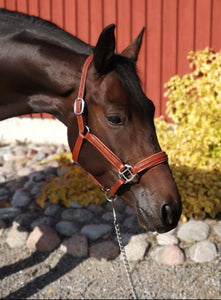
<point x="193" y="142"/>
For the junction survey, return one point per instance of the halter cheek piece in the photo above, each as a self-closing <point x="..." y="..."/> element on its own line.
<point x="126" y="172"/>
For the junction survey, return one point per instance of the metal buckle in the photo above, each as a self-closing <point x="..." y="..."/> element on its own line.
<point x="82" y="106"/>
<point x="127" y="174"/>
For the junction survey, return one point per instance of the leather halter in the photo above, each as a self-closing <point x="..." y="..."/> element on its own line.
<point x="126" y="172"/>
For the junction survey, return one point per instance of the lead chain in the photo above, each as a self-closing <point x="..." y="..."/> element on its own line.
<point x="122" y="250"/>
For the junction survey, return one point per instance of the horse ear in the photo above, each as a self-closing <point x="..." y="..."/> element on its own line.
<point x="133" y="49"/>
<point x="104" y="49"/>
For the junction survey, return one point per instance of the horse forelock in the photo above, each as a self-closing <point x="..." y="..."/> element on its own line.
<point x="126" y="72"/>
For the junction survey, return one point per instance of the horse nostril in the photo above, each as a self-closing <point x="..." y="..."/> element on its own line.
<point x="167" y="214"/>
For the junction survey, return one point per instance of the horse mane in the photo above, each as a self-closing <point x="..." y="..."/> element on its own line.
<point x="43" y="29"/>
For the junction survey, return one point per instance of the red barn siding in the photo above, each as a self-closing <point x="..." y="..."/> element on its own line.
<point x="173" y="28"/>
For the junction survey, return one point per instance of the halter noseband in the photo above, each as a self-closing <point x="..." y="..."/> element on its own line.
<point x="126" y="172"/>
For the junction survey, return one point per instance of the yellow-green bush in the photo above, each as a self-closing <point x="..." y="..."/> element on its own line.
<point x="193" y="142"/>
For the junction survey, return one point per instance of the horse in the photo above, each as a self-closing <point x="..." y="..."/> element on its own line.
<point x="96" y="93"/>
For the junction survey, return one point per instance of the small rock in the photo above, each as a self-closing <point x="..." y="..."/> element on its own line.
<point x="26" y="219"/>
<point x="77" y="246"/>
<point x="203" y="251"/>
<point x="217" y="229"/>
<point x="21" y="198"/>
<point x="36" y="176"/>
<point x="66" y="228"/>
<point x="131" y="224"/>
<point x="77" y="214"/>
<point x="193" y="231"/>
<point x="3" y="192"/>
<point x="137" y="247"/>
<point x="75" y="204"/>
<point x="53" y="211"/>
<point x="17" y="236"/>
<point x="94" y="232"/>
<point x="167" y="239"/>
<point x="108" y="216"/>
<point x="43" y="220"/>
<point x="9" y="212"/>
<point x="43" y="238"/>
<point x="95" y="208"/>
<point x="106" y="250"/>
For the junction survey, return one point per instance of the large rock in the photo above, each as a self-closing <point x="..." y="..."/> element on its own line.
<point x="77" y="246"/>
<point x="17" y="236"/>
<point x="43" y="238"/>
<point x="104" y="250"/>
<point x="203" y="251"/>
<point x="193" y="231"/>
<point x="137" y="247"/>
<point x="170" y="255"/>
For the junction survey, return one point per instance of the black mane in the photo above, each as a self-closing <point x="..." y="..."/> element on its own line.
<point x="11" y="21"/>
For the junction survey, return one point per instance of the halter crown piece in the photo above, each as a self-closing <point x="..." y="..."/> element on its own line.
<point x="126" y="172"/>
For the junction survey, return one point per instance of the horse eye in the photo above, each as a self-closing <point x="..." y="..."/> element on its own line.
<point x="115" y="120"/>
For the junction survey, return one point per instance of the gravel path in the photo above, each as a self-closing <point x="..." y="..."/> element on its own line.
<point x="29" y="274"/>
<point x="55" y="275"/>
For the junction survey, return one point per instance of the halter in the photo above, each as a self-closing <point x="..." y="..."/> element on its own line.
<point x="126" y="172"/>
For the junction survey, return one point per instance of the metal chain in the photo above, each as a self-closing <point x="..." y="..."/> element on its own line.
<point x="122" y="250"/>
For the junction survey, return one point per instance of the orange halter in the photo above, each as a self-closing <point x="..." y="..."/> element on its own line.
<point x="126" y="172"/>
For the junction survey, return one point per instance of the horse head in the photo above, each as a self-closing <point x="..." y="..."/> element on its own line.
<point x="119" y="114"/>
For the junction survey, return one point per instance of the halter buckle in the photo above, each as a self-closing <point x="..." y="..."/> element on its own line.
<point x="127" y="174"/>
<point x="82" y="106"/>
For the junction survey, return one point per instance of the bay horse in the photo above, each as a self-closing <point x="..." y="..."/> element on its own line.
<point x="97" y="94"/>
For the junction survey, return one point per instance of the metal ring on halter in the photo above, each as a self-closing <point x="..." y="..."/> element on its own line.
<point x="108" y="196"/>
<point x="127" y="174"/>
<point x="82" y="106"/>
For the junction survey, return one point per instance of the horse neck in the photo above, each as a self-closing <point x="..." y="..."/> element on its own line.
<point x="45" y="78"/>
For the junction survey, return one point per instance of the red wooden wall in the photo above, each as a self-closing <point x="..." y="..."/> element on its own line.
<point x="173" y="28"/>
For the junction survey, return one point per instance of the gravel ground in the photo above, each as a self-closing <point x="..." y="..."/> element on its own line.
<point x="25" y="274"/>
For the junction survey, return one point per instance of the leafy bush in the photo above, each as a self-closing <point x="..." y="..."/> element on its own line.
<point x="74" y="185"/>
<point x="193" y="142"/>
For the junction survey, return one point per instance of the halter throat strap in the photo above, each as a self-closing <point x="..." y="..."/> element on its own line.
<point x="126" y="172"/>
